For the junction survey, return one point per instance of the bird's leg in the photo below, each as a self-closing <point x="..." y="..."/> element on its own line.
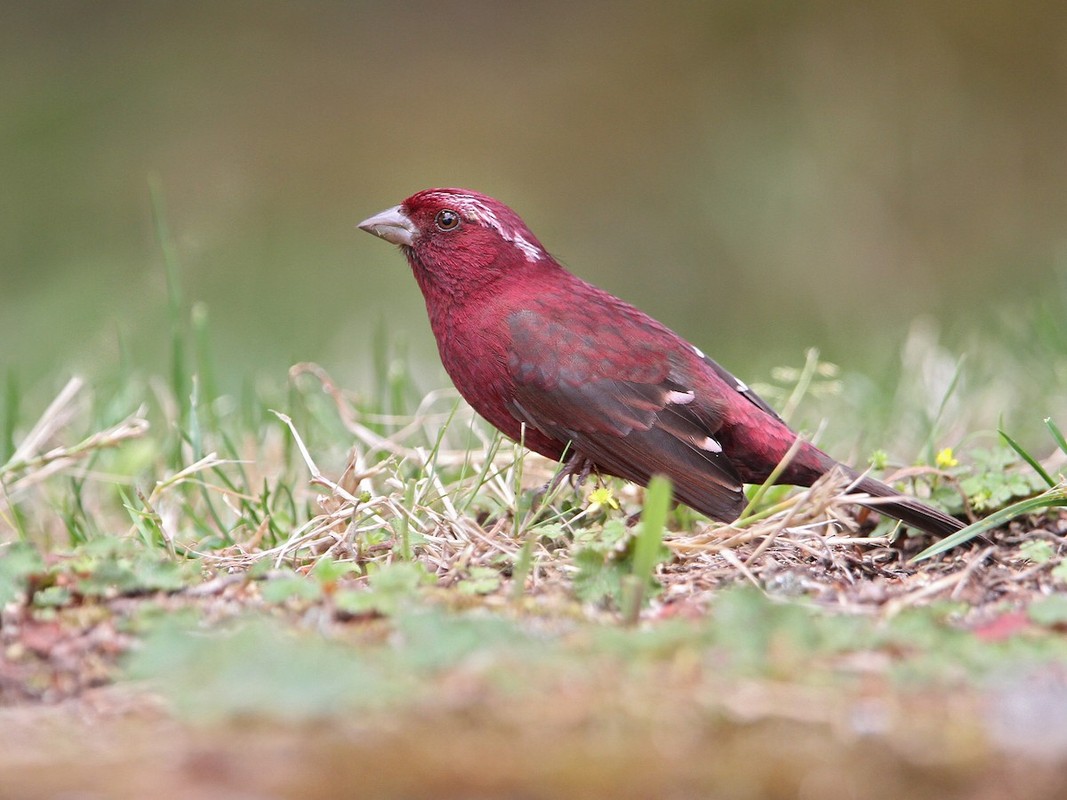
<point x="576" y="469"/>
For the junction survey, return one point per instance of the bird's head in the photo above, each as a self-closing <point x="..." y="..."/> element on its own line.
<point x="456" y="239"/>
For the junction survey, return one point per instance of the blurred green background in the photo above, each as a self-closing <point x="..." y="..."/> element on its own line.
<point x="763" y="176"/>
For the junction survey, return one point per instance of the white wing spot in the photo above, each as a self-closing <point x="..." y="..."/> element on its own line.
<point x="477" y="211"/>
<point x="699" y="352"/>
<point x="710" y="445"/>
<point x="680" y="398"/>
<point x="741" y="385"/>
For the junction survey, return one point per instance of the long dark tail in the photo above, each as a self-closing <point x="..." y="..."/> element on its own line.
<point x="908" y="510"/>
<point x="812" y="462"/>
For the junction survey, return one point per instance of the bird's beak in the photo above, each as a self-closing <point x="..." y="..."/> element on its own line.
<point x="393" y="225"/>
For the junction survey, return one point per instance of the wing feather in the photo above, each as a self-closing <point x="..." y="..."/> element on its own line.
<point x="630" y="411"/>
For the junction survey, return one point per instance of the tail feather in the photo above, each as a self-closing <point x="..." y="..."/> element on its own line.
<point x="811" y="463"/>
<point x="907" y="509"/>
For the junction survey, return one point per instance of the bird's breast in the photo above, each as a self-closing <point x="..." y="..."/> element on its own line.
<point x="474" y="344"/>
<point x="474" y="355"/>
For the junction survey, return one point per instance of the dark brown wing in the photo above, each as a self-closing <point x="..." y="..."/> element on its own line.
<point x="620" y="396"/>
<point x="738" y="385"/>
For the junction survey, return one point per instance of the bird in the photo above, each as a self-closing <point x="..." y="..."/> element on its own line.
<point x="581" y="376"/>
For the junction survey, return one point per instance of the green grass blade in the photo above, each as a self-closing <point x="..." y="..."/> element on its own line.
<point x="1029" y="459"/>
<point x="9" y="416"/>
<point x="653" y="524"/>
<point x="179" y="374"/>
<point x="403" y="523"/>
<point x="772" y="479"/>
<point x="483" y="474"/>
<point x="524" y="561"/>
<point x="646" y="547"/>
<point x="1057" y="434"/>
<point x="1055" y="497"/>
<point x="929" y="446"/>
<point x="800" y="389"/>
<point x="205" y="362"/>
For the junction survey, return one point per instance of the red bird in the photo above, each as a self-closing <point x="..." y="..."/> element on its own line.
<point x="593" y="379"/>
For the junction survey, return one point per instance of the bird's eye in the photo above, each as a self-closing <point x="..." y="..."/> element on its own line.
<point x="446" y="219"/>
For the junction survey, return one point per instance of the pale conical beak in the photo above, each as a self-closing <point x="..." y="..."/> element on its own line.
<point x="393" y="225"/>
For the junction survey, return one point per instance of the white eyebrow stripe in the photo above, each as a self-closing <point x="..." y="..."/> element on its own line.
<point x="477" y="211"/>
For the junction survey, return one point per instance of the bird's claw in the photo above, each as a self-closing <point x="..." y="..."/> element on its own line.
<point x="576" y="470"/>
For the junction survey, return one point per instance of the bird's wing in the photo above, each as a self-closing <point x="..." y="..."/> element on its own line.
<point x="739" y="385"/>
<point x="617" y="394"/>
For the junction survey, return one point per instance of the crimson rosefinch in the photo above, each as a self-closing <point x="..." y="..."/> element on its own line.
<point x="592" y="379"/>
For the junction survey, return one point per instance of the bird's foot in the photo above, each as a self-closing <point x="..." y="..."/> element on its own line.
<point x="576" y="470"/>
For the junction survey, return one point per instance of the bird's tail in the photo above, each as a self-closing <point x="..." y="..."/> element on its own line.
<point x="811" y="463"/>
<point x="907" y="509"/>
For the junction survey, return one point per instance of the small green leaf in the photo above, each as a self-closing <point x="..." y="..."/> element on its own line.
<point x="1037" y="550"/>
<point x="109" y="578"/>
<point x="551" y="531"/>
<point x="52" y="597"/>
<point x="327" y="571"/>
<point x="279" y="590"/>
<point x="1059" y="572"/>
<point x="390" y="588"/>
<point x="1049" y="611"/>
<point x="598" y="578"/>
<point x="18" y="562"/>
<point x="363" y="601"/>
<point x="400" y="577"/>
<point x="482" y="580"/>
<point x="879" y="460"/>
<point x="608" y="538"/>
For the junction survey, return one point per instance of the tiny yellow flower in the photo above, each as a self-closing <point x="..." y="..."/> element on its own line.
<point x="602" y="497"/>
<point x="946" y="459"/>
